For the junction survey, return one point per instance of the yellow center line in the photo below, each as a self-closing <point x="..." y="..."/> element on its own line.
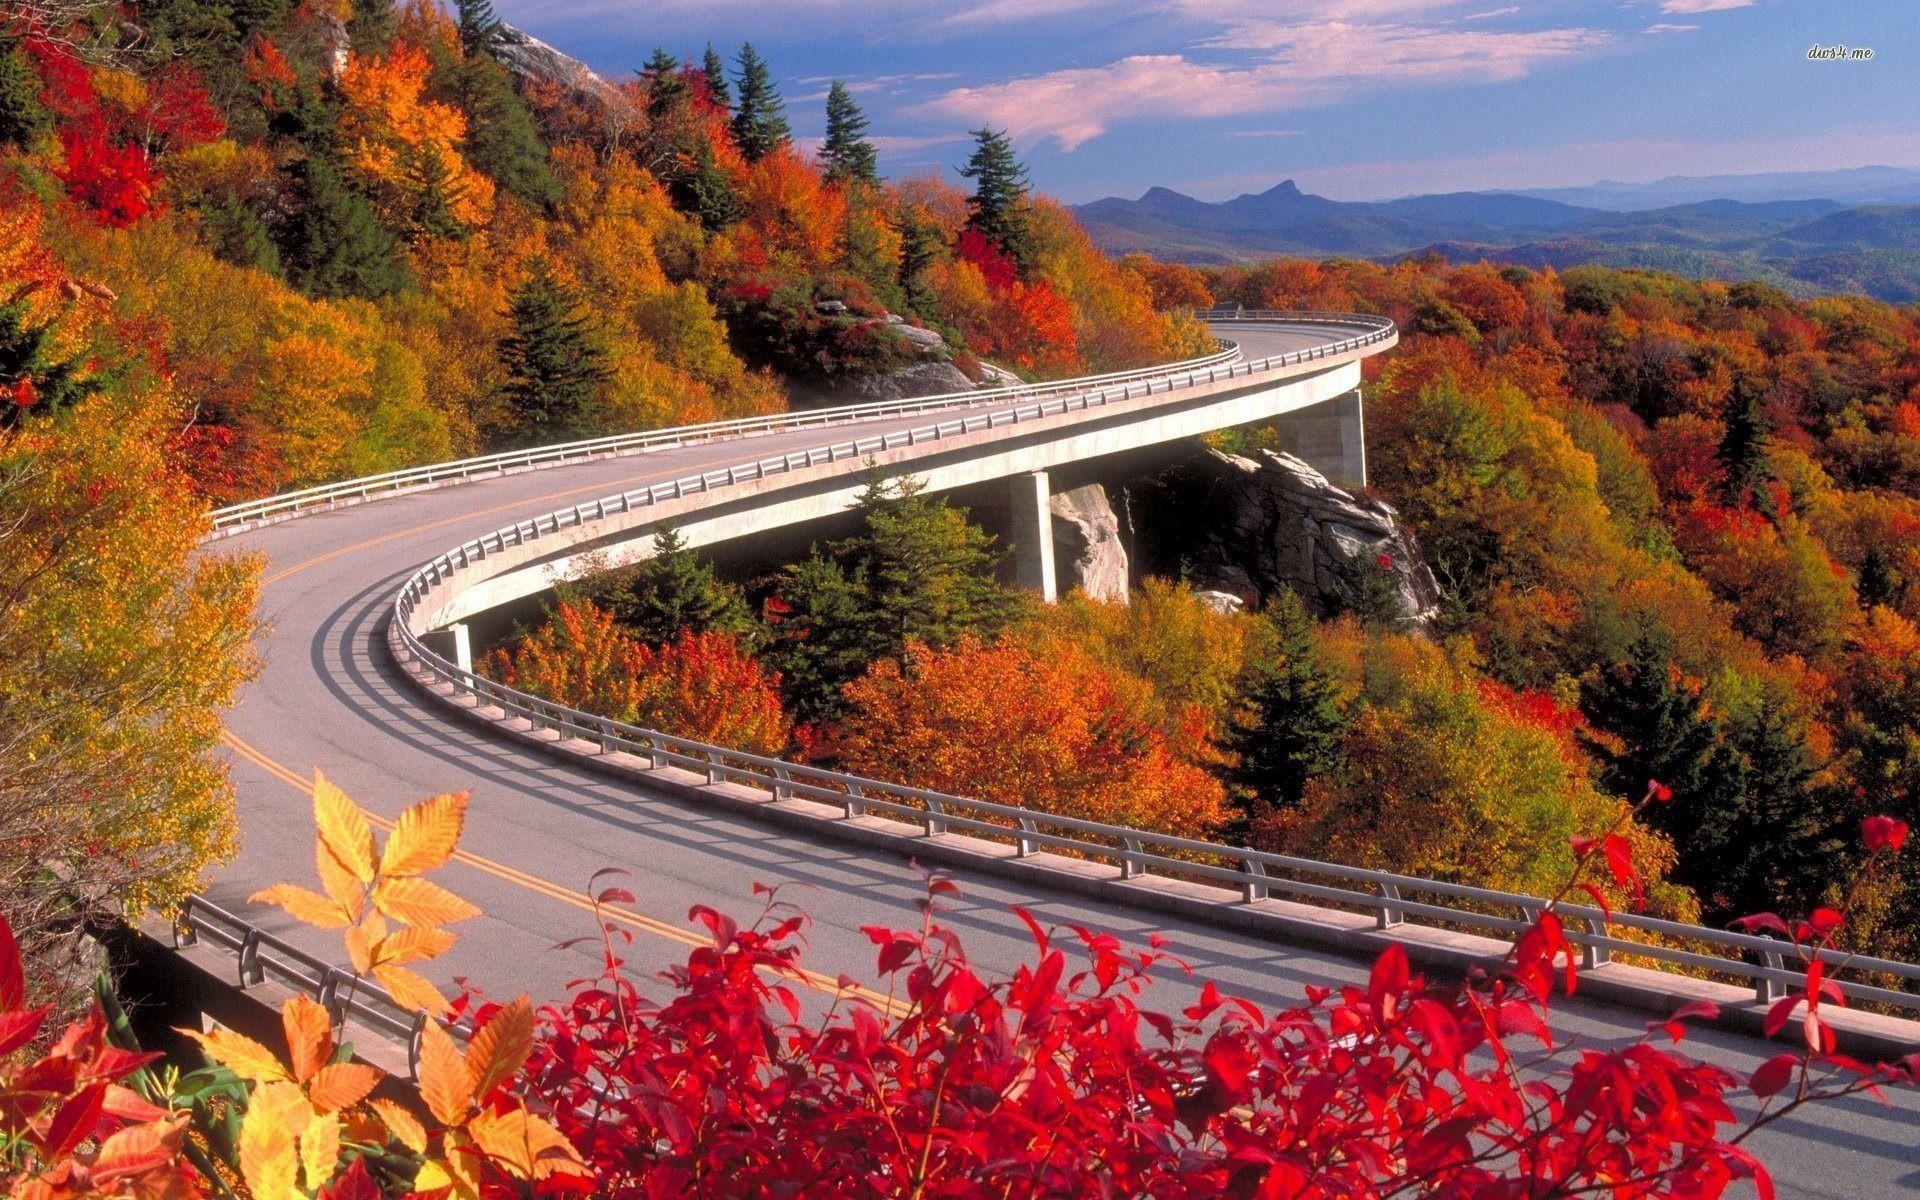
<point x="814" y="979"/>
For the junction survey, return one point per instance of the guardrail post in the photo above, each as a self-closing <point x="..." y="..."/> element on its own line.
<point x="1593" y="954"/>
<point x="935" y="819"/>
<point x="251" y="972"/>
<point x="713" y="772"/>
<point x="658" y="754"/>
<point x="854" y="805"/>
<point x="1765" y="988"/>
<point x="1390" y="913"/>
<point x="414" y="1040"/>
<point x="1254" y="888"/>
<point x="1025" y="846"/>
<point x="782" y="781"/>
<point x="1130" y="865"/>
<point x="328" y="997"/>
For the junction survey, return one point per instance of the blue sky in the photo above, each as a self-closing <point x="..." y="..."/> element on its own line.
<point x="1353" y="98"/>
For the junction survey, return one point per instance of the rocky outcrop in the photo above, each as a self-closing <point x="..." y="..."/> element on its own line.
<point x="1089" y="551"/>
<point x="533" y="61"/>
<point x="1251" y="526"/>
<point x="932" y="373"/>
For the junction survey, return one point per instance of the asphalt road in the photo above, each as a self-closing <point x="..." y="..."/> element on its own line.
<point x="537" y="830"/>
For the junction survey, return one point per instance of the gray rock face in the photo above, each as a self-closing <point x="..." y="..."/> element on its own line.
<point x="529" y="58"/>
<point x="1088" y="549"/>
<point x="931" y="378"/>
<point x="1250" y="526"/>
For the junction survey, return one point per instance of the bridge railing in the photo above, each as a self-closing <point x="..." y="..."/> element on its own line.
<point x="1768" y="964"/>
<point x="242" y="516"/>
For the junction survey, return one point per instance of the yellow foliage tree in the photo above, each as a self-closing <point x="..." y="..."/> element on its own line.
<point x="398" y="139"/>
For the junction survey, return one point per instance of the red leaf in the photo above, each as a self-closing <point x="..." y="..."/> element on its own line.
<point x="75" y="1122"/>
<point x="354" y="1183"/>
<point x="1883" y="833"/>
<point x="13" y="980"/>
<point x="18" y="1028"/>
<point x="1774" y="1074"/>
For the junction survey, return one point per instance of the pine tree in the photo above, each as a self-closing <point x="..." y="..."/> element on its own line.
<point x="478" y="24"/>
<point x="917" y="571"/>
<point x="715" y="69"/>
<point x="1743" y="447"/>
<point x="335" y="245"/>
<point x="38" y="377"/>
<point x="677" y="592"/>
<point x="436" y="193"/>
<point x="1877" y="581"/>
<point x="23" y="119"/>
<point x="554" y="360"/>
<point x="847" y="155"/>
<point x="1661" y="724"/>
<point x="1291" y="724"/>
<point x="707" y="191"/>
<point x="920" y="249"/>
<point x="759" y="121"/>
<point x="997" y="210"/>
<point x="666" y="91"/>
<point x="502" y="140"/>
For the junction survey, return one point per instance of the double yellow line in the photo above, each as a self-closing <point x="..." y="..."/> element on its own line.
<point x="553" y="891"/>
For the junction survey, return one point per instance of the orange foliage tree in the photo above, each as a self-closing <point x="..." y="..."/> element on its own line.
<point x="703" y="686"/>
<point x="1044" y="727"/>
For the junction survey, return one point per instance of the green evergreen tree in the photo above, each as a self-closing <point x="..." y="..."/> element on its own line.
<point x="555" y="362"/>
<point x="675" y="592"/>
<point x="478" y="24"/>
<point x="1663" y="729"/>
<point x="1743" y="447"/>
<point x="706" y="190"/>
<point x="436" y="194"/>
<point x="36" y="378"/>
<point x="917" y="571"/>
<point x="1372" y="591"/>
<point x="1878" y="583"/>
<point x="847" y="155"/>
<point x="997" y="210"/>
<point x="23" y="119"/>
<point x="1291" y="724"/>
<point x="920" y="249"/>
<point x="236" y="234"/>
<point x="335" y="245"/>
<point x="712" y="66"/>
<point x="503" y="143"/>
<point x="759" y="120"/>
<point x="667" y="92"/>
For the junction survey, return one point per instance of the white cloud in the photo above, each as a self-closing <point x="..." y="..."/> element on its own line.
<point x="1667" y="27"/>
<point x="1300" y="65"/>
<point x="1701" y="6"/>
<point x="1265" y="133"/>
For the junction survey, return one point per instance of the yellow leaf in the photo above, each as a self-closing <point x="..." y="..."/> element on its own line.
<point x="348" y="892"/>
<point x="445" y="1083"/>
<point x="410" y="990"/>
<point x="402" y="1125"/>
<point x="421" y="902"/>
<point x="342" y="1085"/>
<point x="343" y="828"/>
<point x="425" y="835"/>
<point x="320" y="1149"/>
<point x="268" y="1161"/>
<point x="500" y="1047"/>
<point x="242" y="1055"/>
<point x="414" y="945"/>
<point x="359" y="949"/>
<point x="306" y="907"/>
<point x="527" y="1147"/>
<point x="309" y="1036"/>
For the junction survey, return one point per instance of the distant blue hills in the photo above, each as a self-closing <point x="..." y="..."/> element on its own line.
<point x="1862" y="235"/>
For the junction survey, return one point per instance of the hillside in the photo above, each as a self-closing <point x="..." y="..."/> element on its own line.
<point x="1807" y="246"/>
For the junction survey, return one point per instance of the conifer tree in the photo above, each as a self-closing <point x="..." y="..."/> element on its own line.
<point x="1743" y="447"/>
<point x="502" y="140"/>
<point x="997" y="210"/>
<point x="759" y="120"/>
<point x="847" y="155"/>
<point x="554" y="360"/>
<point x="917" y="571"/>
<point x="1291" y="722"/>
<point x="23" y="119"/>
<point x="677" y="592"/>
<point x="436" y="193"/>
<point x="478" y="24"/>
<point x="666" y="90"/>
<point x="715" y="69"/>
<point x="920" y="249"/>
<point x="335" y="245"/>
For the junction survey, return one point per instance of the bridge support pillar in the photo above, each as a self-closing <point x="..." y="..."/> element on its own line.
<point x="455" y="642"/>
<point x="1031" y="496"/>
<point x="1330" y="437"/>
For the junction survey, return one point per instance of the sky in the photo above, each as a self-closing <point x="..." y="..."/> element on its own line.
<point x="1354" y="99"/>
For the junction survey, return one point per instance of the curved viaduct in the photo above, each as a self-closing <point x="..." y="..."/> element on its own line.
<point x="343" y="688"/>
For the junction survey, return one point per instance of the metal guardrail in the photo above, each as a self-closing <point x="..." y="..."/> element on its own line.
<point x="1392" y="899"/>
<point x="262" y="956"/>
<point x="239" y="517"/>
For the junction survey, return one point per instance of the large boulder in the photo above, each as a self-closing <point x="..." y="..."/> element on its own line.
<point x="531" y="60"/>
<point x="1089" y="551"/>
<point x="1249" y="526"/>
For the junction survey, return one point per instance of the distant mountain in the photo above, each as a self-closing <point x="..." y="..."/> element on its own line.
<point x="1856" y="185"/>
<point x="1807" y="245"/>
